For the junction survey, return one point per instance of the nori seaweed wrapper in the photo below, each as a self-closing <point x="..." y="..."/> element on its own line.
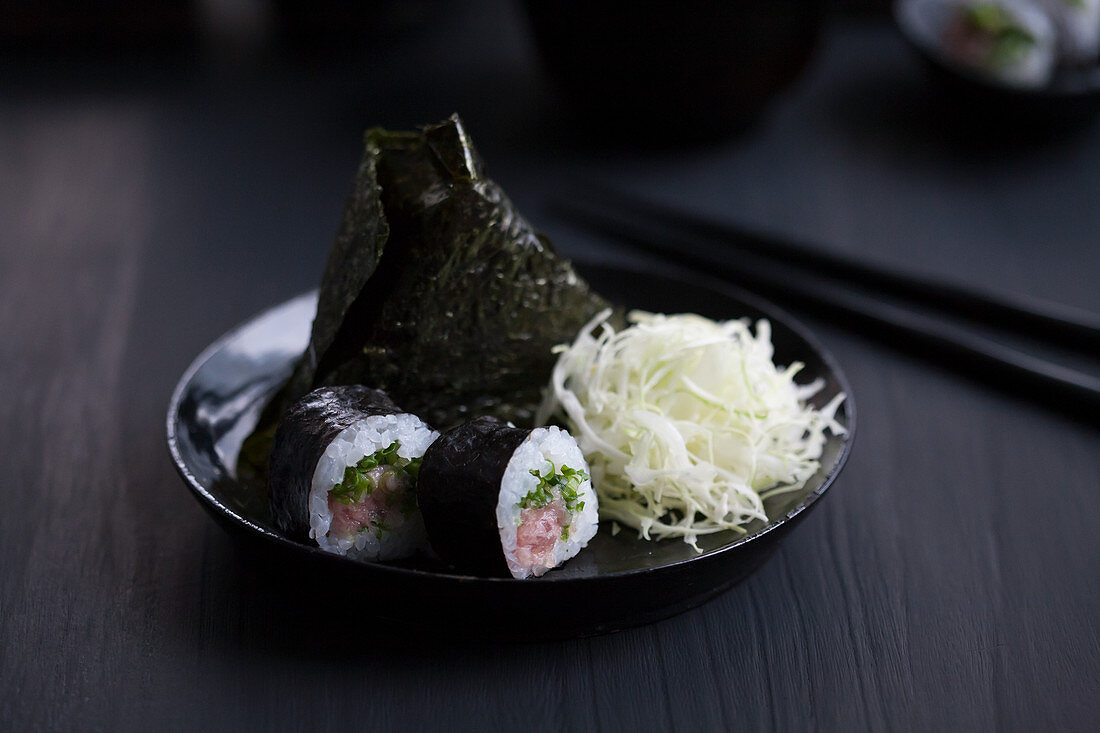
<point x="436" y="290"/>
<point x="458" y="489"/>
<point x="305" y="431"/>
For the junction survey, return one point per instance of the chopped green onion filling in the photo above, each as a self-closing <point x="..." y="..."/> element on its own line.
<point x="356" y="484"/>
<point x="379" y="526"/>
<point x="1011" y="41"/>
<point x="566" y="480"/>
<point x="989" y="17"/>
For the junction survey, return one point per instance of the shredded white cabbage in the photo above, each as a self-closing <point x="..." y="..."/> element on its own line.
<point x="686" y="423"/>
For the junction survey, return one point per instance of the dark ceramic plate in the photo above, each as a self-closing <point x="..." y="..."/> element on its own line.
<point x="618" y="581"/>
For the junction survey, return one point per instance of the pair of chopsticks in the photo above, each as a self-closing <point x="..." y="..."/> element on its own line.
<point x="851" y="294"/>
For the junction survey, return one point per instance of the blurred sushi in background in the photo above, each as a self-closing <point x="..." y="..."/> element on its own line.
<point x="1009" y="41"/>
<point x="1077" y="23"/>
<point x="1015" y="43"/>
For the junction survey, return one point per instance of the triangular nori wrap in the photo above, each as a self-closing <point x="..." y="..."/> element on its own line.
<point x="437" y="290"/>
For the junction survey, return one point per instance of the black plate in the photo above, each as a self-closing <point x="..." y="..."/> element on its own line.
<point x="618" y="581"/>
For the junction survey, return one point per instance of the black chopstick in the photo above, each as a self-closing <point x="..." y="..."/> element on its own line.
<point x="957" y="348"/>
<point x="1053" y="323"/>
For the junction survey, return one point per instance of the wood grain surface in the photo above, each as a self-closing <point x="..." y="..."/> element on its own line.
<point x="949" y="581"/>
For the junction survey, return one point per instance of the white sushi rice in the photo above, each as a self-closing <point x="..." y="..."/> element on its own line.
<point x="557" y="446"/>
<point x="404" y="536"/>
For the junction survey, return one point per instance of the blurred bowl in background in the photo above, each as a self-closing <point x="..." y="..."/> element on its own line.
<point x="701" y="69"/>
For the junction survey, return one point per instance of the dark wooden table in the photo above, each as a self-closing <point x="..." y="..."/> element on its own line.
<point x="948" y="582"/>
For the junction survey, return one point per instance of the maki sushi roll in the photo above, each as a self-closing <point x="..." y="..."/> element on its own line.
<point x="499" y="499"/>
<point x="1078" y="25"/>
<point x="343" y="473"/>
<point x="1010" y="42"/>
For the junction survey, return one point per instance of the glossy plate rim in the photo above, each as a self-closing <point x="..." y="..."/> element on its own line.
<point x="212" y="504"/>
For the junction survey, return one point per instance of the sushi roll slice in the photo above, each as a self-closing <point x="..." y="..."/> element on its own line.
<point x="498" y="499"/>
<point x="1078" y="25"/>
<point x="1010" y="42"/>
<point x="343" y="474"/>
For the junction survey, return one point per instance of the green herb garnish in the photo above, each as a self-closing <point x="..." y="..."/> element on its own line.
<point x="356" y="483"/>
<point x="989" y="17"/>
<point x="1011" y="46"/>
<point x="1011" y="41"/>
<point x="379" y="526"/>
<point x="566" y="480"/>
<point x="537" y="497"/>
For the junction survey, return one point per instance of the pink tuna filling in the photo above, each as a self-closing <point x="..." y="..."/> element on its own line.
<point x="350" y="519"/>
<point x="539" y="531"/>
